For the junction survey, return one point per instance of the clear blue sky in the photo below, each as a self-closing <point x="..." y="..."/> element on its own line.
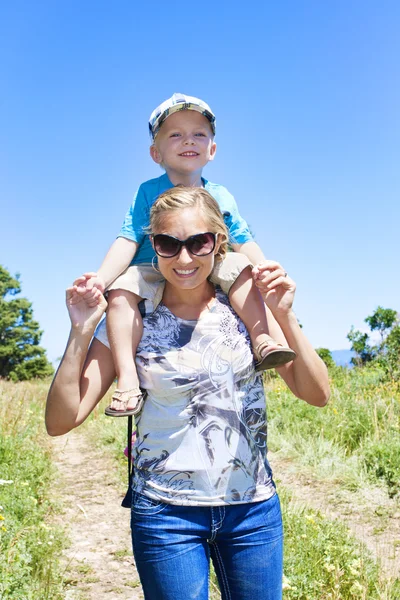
<point x="307" y="97"/>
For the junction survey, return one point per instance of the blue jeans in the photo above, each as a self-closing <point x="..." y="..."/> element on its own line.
<point x="172" y="546"/>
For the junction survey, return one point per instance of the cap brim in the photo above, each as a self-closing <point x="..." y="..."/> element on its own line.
<point x="176" y="108"/>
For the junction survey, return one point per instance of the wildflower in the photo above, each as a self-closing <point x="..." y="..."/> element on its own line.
<point x="50" y="543"/>
<point x="356" y="587"/>
<point x="310" y="518"/>
<point x="329" y="567"/>
<point x="6" y="481"/>
<point x="3" y="528"/>
<point x="1" y="518"/>
<point x="286" y="583"/>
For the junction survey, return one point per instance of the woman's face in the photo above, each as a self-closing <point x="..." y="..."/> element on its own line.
<point x="185" y="270"/>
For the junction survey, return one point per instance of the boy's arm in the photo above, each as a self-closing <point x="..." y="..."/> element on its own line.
<point x="117" y="259"/>
<point x="241" y="238"/>
<point x="250" y="249"/>
<point x="122" y="251"/>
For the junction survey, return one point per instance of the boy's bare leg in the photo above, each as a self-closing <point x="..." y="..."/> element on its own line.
<point x="248" y="303"/>
<point x="124" y="330"/>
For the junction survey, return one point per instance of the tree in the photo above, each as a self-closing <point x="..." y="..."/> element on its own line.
<point x="21" y="357"/>
<point x="360" y="345"/>
<point x="382" y="320"/>
<point x="392" y="355"/>
<point x="387" y="352"/>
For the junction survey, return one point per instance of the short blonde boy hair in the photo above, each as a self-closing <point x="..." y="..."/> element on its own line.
<point x="180" y="197"/>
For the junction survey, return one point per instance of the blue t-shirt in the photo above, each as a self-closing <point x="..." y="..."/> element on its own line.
<point x="137" y="218"/>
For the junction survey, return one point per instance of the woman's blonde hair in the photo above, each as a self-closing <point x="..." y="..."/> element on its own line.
<point x="180" y="197"/>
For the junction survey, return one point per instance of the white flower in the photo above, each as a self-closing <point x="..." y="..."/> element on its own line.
<point x="6" y="481"/>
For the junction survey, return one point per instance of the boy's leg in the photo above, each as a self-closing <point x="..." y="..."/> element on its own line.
<point x="248" y="304"/>
<point x="124" y="330"/>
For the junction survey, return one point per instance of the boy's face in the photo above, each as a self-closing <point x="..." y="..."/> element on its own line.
<point x="185" y="143"/>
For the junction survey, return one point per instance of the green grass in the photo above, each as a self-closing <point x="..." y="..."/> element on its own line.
<point x="354" y="440"/>
<point x="29" y="544"/>
<point x="324" y="561"/>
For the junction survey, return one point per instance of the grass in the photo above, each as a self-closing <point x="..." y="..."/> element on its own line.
<point x="324" y="561"/>
<point x="29" y="545"/>
<point x="354" y="440"/>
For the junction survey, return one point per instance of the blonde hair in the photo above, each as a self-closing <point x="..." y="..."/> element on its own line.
<point x="181" y="197"/>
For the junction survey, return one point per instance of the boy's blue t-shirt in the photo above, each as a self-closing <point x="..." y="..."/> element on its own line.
<point x="137" y="218"/>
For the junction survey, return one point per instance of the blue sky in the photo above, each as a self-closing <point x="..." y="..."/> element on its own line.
<point x="306" y="95"/>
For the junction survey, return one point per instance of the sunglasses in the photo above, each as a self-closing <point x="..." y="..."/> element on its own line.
<point x="200" y="244"/>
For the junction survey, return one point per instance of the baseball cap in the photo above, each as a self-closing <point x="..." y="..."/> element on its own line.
<point x="175" y="103"/>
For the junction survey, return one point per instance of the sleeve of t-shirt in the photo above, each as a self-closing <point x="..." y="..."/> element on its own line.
<point x="137" y="218"/>
<point x="239" y="231"/>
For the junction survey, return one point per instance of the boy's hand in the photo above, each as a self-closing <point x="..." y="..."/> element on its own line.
<point x="275" y="286"/>
<point x="90" y="286"/>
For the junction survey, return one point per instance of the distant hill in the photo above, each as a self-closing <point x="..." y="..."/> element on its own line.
<point x="342" y="357"/>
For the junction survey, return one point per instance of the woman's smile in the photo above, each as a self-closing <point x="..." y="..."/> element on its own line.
<point x="185" y="272"/>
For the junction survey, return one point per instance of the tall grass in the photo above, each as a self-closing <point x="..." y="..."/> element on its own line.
<point x="29" y="545"/>
<point x="355" y="439"/>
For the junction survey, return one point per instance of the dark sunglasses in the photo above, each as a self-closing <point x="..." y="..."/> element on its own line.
<point x="200" y="244"/>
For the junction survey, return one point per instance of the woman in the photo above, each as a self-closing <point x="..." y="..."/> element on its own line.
<point x="202" y="485"/>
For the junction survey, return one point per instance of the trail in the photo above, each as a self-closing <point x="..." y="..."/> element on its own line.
<point x="98" y="562"/>
<point x="372" y="517"/>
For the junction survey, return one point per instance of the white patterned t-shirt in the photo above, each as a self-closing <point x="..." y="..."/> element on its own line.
<point x="202" y="434"/>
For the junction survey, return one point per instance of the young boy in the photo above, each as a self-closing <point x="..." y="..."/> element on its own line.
<point x="182" y="130"/>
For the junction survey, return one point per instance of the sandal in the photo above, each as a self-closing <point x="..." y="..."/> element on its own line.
<point x="125" y="397"/>
<point x="273" y="358"/>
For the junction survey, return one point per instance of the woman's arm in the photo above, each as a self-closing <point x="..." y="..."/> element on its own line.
<point x="86" y="370"/>
<point x="307" y="376"/>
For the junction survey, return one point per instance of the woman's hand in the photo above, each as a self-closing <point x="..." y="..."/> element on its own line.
<point x="84" y="317"/>
<point x="88" y="286"/>
<point x="275" y="286"/>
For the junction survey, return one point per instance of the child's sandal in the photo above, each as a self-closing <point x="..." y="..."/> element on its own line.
<point x="272" y="358"/>
<point x="125" y="397"/>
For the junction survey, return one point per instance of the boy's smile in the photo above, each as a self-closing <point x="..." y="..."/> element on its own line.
<point x="183" y="146"/>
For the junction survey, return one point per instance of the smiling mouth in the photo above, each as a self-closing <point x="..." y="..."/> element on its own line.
<point x="189" y="154"/>
<point x="185" y="272"/>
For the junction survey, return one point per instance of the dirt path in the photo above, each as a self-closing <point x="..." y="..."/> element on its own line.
<point x="371" y="516"/>
<point x="99" y="561"/>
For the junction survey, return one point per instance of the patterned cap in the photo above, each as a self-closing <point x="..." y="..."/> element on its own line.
<point x="175" y="103"/>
